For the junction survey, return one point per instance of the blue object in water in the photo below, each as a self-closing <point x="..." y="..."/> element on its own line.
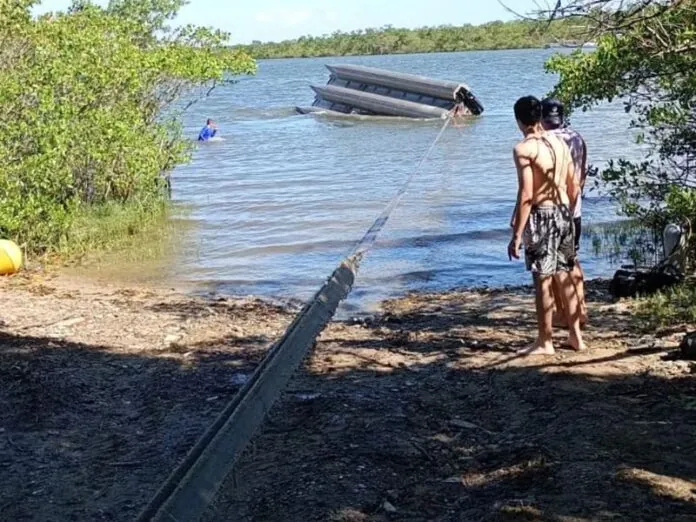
<point x="206" y="133"/>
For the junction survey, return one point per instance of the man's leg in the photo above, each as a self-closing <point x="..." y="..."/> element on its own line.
<point x="578" y="278"/>
<point x="544" y="310"/>
<point x="572" y="305"/>
<point x="560" y="317"/>
<point x="577" y="274"/>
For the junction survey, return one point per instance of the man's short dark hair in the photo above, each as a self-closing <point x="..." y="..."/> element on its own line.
<point x="552" y="113"/>
<point x="528" y="110"/>
<point x="209" y="122"/>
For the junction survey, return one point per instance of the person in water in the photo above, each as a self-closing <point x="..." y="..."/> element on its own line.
<point x="207" y="132"/>
<point x="553" y="121"/>
<point x="547" y="194"/>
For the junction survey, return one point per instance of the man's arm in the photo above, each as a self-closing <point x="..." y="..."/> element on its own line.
<point x="583" y="173"/>
<point x="525" y="197"/>
<point x="514" y="211"/>
<point x="572" y="186"/>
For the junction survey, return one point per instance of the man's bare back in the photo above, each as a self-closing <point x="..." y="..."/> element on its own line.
<point x="551" y="166"/>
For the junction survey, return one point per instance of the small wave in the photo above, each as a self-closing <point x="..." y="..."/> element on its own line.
<point x="333" y="115"/>
<point x="257" y="114"/>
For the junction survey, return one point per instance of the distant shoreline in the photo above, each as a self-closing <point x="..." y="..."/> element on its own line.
<point x="405" y="53"/>
<point x="538" y="48"/>
<point x="493" y="36"/>
<point x="398" y="53"/>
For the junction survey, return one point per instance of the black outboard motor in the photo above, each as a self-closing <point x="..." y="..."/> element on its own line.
<point x="631" y="281"/>
<point x="469" y="100"/>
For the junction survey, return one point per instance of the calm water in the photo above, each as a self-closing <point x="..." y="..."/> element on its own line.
<point x="283" y="200"/>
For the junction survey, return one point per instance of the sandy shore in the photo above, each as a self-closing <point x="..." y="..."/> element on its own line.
<point x="420" y="413"/>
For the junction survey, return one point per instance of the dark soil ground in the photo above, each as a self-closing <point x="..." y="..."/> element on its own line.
<point x="422" y="413"/>
<point x="427" y="414"/>
<point x="105" y="389"/>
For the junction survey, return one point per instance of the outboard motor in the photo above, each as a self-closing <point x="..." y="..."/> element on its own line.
<point x="630" y="282"/>
<point x="672" y="238"/>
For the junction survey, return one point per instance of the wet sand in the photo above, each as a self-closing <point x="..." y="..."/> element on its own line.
<point x="423" y="412"/>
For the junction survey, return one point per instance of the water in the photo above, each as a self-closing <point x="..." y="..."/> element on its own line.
<point x="279" y="203"/>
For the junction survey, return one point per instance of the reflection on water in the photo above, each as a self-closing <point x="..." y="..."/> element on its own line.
<point x="279" y="203"/>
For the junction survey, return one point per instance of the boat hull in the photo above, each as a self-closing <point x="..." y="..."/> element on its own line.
<point x="368" y="103"/>
<point x="355" y="89"/>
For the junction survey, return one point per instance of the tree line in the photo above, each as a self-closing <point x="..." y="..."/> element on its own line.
<point x="517" y="34"/>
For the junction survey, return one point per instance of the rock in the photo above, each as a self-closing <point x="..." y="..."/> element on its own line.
<point x="172" y="339"/>
<point x="239" y="379"/>
<point x="305" y="397"/>
<point x="70" y="322"/>
<point x="688" y="347"/>
<point x="679" y="367"/>
<point x="464" y="424"/>
<point x="393" y="494"/>
<point x="388" y="507"/>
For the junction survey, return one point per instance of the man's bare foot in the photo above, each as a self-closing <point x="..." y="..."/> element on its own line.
<point x="576" y="344"/>
<point x="539" y="348"/>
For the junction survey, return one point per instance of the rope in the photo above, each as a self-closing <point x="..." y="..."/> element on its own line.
<point x="188" y="491"/>
<point x="370" y="236"/>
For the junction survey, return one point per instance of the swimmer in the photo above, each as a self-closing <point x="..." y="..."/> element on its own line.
<point x="207" y="132"/>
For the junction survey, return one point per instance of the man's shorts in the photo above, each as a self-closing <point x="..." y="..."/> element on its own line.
<point x="549" y="240"/>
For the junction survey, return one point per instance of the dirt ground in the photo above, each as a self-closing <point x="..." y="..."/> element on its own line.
<point x="421" y="413"/>
<point x="104" y="389"/>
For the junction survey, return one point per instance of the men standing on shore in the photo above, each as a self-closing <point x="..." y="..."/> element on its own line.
<point x="552" y="111"/>
<point x="547" y="194"/>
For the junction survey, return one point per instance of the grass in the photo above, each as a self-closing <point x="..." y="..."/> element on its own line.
<point x="136" y="232"/>
<point x="628" y="241"/>
<point x="624" y="241"/>
<point x="673" y="307"/>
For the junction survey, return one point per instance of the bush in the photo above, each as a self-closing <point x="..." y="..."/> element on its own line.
<point x="646" y="57"/>
<point x="82" y="101"/>
<point x="674" y="306"/>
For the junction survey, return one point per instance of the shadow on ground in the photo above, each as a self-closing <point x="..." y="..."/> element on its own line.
<point x="422" y="414"/>
<point x="89" y="434"/>
<point x="427" y="414"/>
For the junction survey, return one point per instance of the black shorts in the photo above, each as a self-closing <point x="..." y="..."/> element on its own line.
<point x="578" y="231"/>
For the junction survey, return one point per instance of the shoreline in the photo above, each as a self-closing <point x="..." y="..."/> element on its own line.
<point x="107" y="386"/>
<point x="524" y="48"/>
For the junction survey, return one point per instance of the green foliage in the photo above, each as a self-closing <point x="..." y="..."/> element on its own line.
<point x="624" y="240"/>
<point x="112" y="227"/>
<point x="390" y="40"/>
<point x="649" y="61"/>
<point x="82" y="98"/>
<point x="675" y="306"/>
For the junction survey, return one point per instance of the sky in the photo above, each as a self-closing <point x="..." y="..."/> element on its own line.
<point x="274" y="20"/>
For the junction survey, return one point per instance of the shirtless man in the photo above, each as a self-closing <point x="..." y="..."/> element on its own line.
<point x="552" y="119"/>
<point x="547" y="194"/>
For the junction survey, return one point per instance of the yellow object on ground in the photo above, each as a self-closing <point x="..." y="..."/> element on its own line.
<point x="10" y="257"/>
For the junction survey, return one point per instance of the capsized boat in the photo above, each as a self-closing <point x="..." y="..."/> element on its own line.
<point x="356" y="89"/>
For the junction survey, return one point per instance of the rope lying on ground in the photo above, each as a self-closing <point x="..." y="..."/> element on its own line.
<point x="192" y="487"/>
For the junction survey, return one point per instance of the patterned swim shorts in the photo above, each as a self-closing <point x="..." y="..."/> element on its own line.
<point x="549" y="240"/>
